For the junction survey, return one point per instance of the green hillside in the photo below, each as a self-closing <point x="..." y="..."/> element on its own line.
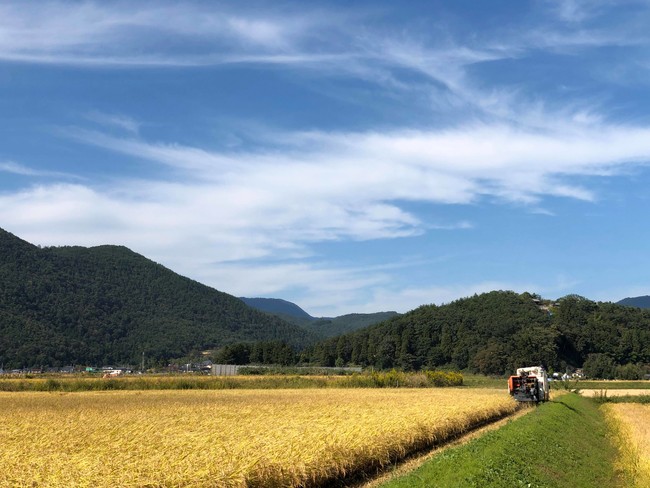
<point x="107" y="304"/>
<point x="498" y="331"/>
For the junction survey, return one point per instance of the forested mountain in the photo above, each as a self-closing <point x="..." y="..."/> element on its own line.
<point x="107" y="304"/>
<point x="640" y="302"/>
<point x="324" y="326"/>
<point x="495" y="333"/>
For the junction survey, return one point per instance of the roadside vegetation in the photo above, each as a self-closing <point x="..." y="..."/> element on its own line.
<point x="564" y="442"/>
<point x="374" y="379"/>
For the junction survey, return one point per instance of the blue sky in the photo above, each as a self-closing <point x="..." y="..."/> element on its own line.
<point x="347" y="156"/>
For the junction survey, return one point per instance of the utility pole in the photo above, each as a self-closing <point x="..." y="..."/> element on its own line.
<point x="142" y="367"/>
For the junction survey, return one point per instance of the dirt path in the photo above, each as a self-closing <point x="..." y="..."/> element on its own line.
<point x="415" y="461"/>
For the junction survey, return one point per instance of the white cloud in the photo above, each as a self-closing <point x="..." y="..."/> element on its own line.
<point x="22" y="170"/>
<point x="119" y="121"/>
<point x="141" y="33"/>
<point x="225" y="209"/>
<point x="17" y="169"/>
<point x="366" y="171"/>
<point x="294" y="189"/>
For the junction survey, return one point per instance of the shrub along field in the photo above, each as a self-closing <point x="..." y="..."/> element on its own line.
<point x="251" y="438"/>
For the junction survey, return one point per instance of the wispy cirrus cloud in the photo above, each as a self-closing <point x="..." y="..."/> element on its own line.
<point x="276" y="202"/>
<point x="119" y="121"/>
<point x="457" y="165"/>
<point x="22" y="170"/>
<point x="97" y="33"/>
<point x="284" y="192"/>
<point x="326" y="42"/>
<point x="18" y="169"/>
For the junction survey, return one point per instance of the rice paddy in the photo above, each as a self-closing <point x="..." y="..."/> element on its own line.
<point x="631" y="424"/>
<point x="225" y="438"/>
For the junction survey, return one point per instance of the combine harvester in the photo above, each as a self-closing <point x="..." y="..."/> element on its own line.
<point x="529" y="385"/>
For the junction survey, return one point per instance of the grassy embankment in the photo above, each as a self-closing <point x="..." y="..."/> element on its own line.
<point x="562" y="443"/>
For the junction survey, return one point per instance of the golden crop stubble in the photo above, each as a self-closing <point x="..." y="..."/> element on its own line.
<point x="631" y="424"/>
<point x="224" y="438"/>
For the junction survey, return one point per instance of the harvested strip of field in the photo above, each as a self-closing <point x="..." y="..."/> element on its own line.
<point x="225" y="438"/>
<point x="562" y="443"/>
<point x="631" y="422"/>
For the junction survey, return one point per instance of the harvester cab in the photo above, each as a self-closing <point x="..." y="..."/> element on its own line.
<point x="529" y="385"/>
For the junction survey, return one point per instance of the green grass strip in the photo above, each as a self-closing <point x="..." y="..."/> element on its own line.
<point x="563" y="443"/>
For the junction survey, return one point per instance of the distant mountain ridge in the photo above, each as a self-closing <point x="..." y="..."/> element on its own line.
<point x="277" y="306"/>
<point x="323" y="326"/>
<point x="108" y="304"/>
<point x="640" y="302"/>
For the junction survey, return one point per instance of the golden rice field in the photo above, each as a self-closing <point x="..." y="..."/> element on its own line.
<point x="631" y="423"/>
<point x="224" y="438"/>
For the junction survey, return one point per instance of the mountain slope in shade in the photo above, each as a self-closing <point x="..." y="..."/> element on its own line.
<point x="108" y="304"/>
<point x="641" y="302"/>
<point x="344" y="324"/>
<point x="277" y="306"/>
<point x="323" y="326"/>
